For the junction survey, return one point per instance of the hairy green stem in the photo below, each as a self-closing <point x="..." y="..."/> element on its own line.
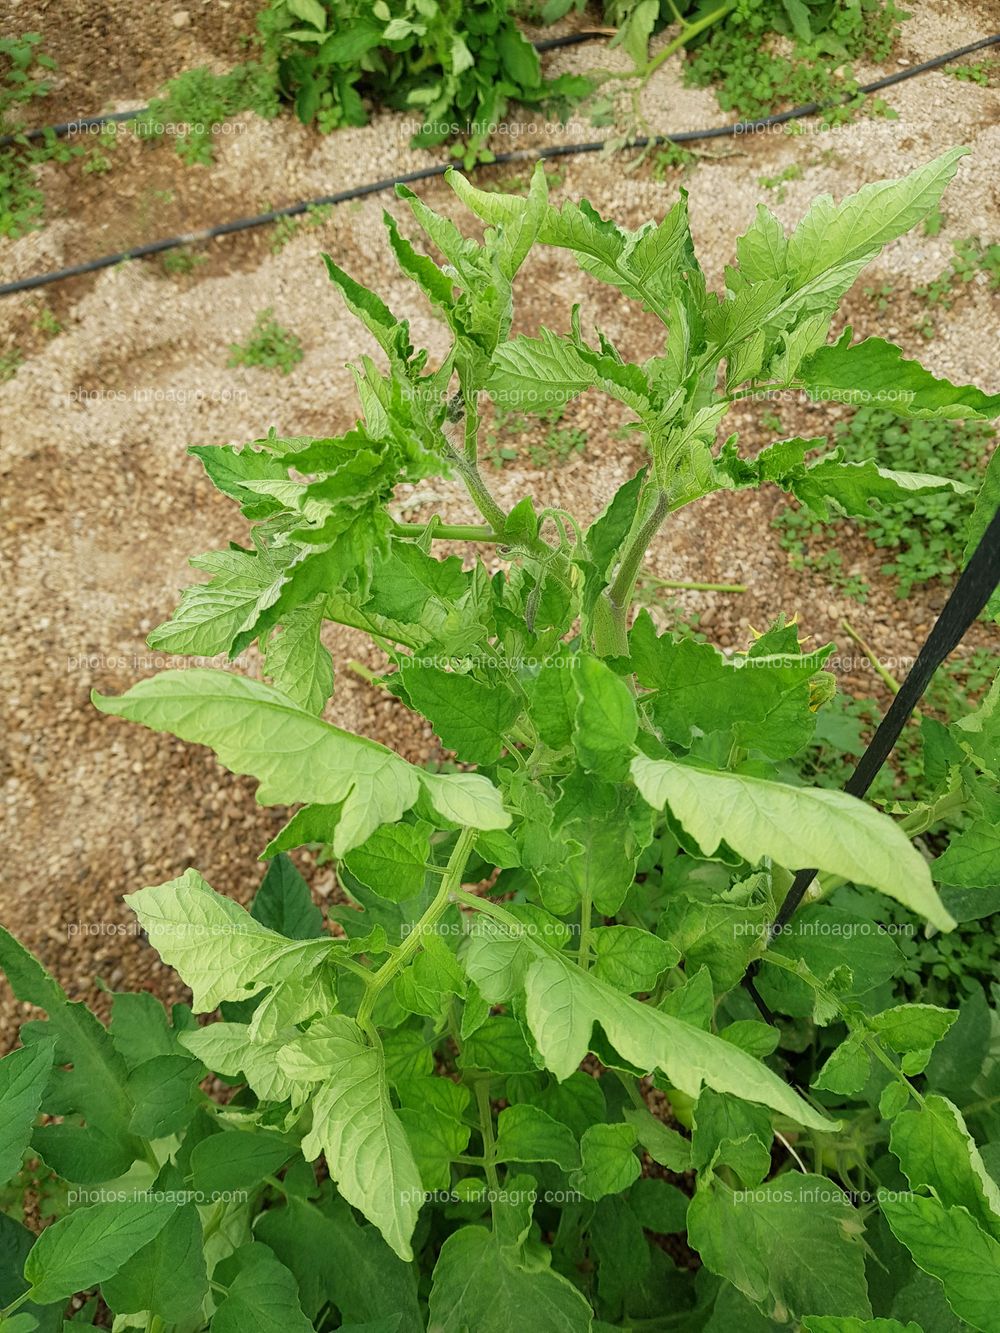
<point x="398" y="959"/>
<point x="461" y="532"/>
<point x="610" y="619"/>
<point x="690" y="30"/>
<point x="482" y="497"/>
<point x="877" y="666"/>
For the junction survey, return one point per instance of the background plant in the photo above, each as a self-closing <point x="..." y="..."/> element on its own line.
<point x="927" y="539"/>
<point x="24" y="76"/>
<point x="541" y="946"/>
<point x="269" y="345"/>
<point x="455" y="67"/>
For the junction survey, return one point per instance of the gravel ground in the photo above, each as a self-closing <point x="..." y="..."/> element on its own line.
<point x="104" y="508"/>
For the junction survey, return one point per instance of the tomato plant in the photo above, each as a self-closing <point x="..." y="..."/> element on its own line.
<point x="519" y="1047"/>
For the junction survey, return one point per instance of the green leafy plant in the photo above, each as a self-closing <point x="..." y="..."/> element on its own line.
<point x="24" y="71"/>
<point x="971" y="257"/>
<point x="549" y="450"/>
<point x="777" y="183"/>
<point x="10" y="362"/>
<point x="751" y="78"/>
<point x="270" y="346"/>
<point x="47" y="322"/>
<point x="518" y="1041"/>
<point x="731" y="45"/>
<point x="454" y="65"/>
<point x="182" y="261"/>
<point x="192" y="106"/>
<point x="982" y="72"/>
<point x="288" y="227"/>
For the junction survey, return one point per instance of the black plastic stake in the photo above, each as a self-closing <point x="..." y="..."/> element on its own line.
<point x="973" y="590"/>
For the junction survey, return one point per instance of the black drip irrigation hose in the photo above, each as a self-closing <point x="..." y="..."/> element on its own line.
<point x="971" y="593"/>
<point x="440" y="168"/>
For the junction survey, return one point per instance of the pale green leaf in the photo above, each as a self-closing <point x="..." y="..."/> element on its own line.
<point x="857" y="228"/>
<point x="792" y="1246"/>
<point x="564" y="1003"/>
<point x="216" y="946"/>
<point x="795" y="826"/>
<point x="874" y="372"/>
<point x="936" y="1150"/>
<point x="296" y="659"/>
<point x="297" y="757"/>
<point x="360" y="1135"/>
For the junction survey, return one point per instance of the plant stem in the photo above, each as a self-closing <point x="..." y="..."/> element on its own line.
<point x="481" y="495"/>
<point x="621" y="589"/>
<point x="489" y="908"/>
<point x="583" y="954"/>
<point x="689" y="30"/>
<point x="391" y="968"/>
<point x="471" y="532"/>
<point x="8" y="1310"/>
<point x="482" y="1089"/>
<point x="610" y="639"/>
<point x="365" y="673"/>
<point x="869" y="652"/>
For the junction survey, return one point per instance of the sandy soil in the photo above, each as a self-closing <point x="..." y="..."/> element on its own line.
<point x="104" y="508"/>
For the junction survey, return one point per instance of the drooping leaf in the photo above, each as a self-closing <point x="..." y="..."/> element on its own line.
<point x="797" y="826"/>
<point x="875" y="372"/>
<point x="296" y="756"/>
<point x="936" y="1150"/>
<point x="564" y="1003"/>
<point x="216" y="946"/>
<point x="758" y="1239"/>
<point x="359" y="1133"/>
